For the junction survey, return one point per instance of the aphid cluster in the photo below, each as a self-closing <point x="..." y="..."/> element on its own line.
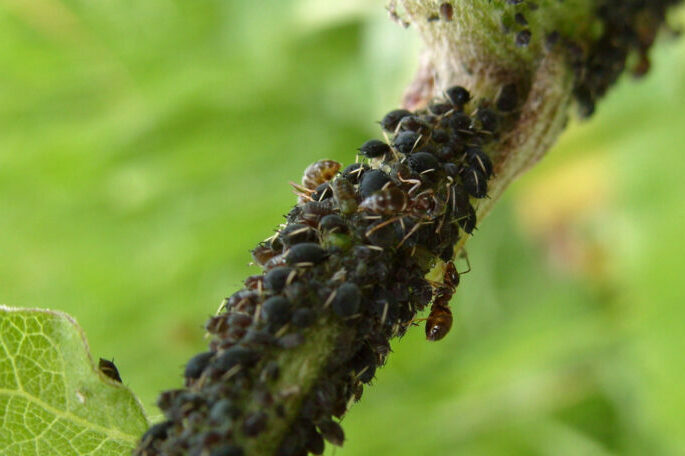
<point x="352" y="258"/>
<point x="354" y="251"/>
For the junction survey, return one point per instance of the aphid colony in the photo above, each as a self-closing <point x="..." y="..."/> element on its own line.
<point x="353" y="254"/>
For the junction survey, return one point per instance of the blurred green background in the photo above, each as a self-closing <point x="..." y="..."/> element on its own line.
<point x="146" y="146"/>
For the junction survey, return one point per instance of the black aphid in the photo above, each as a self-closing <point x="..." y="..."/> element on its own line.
<point x="305" y="253"/>
<point x="333" y="223"/>
<point x="255" y="423"/>
<point x="332" y="432"/>
<point x="157" y="431"/>
<point x="458" y="96"/>
<point x="303" y="318"/>
<point x="239" y="319"/>
<point x="197" y="365"/>
<point x="406" y="141"/>
<point x="354" y="172"/>
<point x="223" y="411"/>
<point x="227" y="450"/>
<point x="374" y="148"/>
<point x="475" y="182"/>
<point x="422" y="161"/>
<point x="523" y="38"/>
<point x="364" y="364"/>
<point x="487" y="119"/>
<point x="235" y="356"/>
<point x="347" y="300"/>
<point x="276" y="310"/>
<point x="391" y="119"/>
<point x="108" y="368"/>
<point x="322" y="192"/>
<point x="507" y="100"/>
<point x="451" y="169"/>
<point x="372" y="181"/>
<point x="479" y="160"/>
<point x="276" y="279"/>
<point x="296" y="233"/>
<point x="520" y="19"/>
<point x="291" y="340"/>
<point x="440" y="108"/>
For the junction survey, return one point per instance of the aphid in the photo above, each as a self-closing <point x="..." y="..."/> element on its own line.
<point x="313" y="441"/>
<point x="487" y="119"/>
<point x="354" y="172"/>
<point x="235" y="356"/>
<point x="475" y="182"/>
<point x="523" y="38"/>
<point x="415" y="124"/>
<point x="433" y="18"/>
<point x="439" y="109"/>
<point x="331" y="431"/>
<point x="156" y="432"/>
<point x="291" y="340"/>
<point x="254" y="282"/>
<point x="520" y="19"/>
<point x="406" y="141"/>
<point x="333" y="223"/>
<point x="263" y="253"/>
<point x="197" y="365"/>
<point x="446" y="11"/>
<point x="345" y="195"/>
<point x="372" y="181"/>
<point x="276" y="310"/>
<point x="223" y="410"/>
<point x="312" y="211"/>
<point x="303" y="318"/>
<point x="322" y="192"/>
<point x="392" y="119"/>
<point x="479" y="160"/>
<point x="422" y="162"/>
<point x="227" y="450"/>
<point x="347" y="300"/>
<point x="258" y="337"/>
<point x="363" y="364"/>
<point x="451" y="169"/>
<point x="440" y="136"/>
<point x="507" y="100"/>
<point x="374" y="148"/>
<point x="296" y="233"/>
<point x="255" y="423"/>
<point x="459" y="123"/>
<point x="388" y="201"/>
<point x="240" y="320"/>
<point x="458" y="96"/>
<point x="277" y="278"/>
<point x="305" y="254"/>
<point x="271" y="371"/>
<point x="319" y="172"/>
<point x="109" y="369"/>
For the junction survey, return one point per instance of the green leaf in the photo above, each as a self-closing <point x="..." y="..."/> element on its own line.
<point x="53" y="400"/>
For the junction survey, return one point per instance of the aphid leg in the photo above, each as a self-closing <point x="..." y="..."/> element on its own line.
<point x="381" y="225"/>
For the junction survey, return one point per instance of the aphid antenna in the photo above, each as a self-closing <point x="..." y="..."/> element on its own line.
<point x="411" y="232"/>
<point x="385" y="313"/>
<point x="374" y="247"/>
<point x="291" y="277"/>
<point x="301" y="188"/>
<point x="231" y="372"/>
<point x="395" y="153"/>
<point x="330" y="299"/>
<point x="281" y="332"/>
<point x="381" y="225"/>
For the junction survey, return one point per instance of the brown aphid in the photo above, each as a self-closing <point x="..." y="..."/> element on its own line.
<point x="446" y="11"/>
<point x="109" y="369"/>
<point x="262" y="254"/>
<point x="319" y="172"/>
<point x="388" y="201"/>
<point x="439" y="321"/>
<point x="345" y="195"/>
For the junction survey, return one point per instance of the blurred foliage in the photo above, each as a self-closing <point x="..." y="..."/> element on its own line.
<point x="146" y="146"/>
